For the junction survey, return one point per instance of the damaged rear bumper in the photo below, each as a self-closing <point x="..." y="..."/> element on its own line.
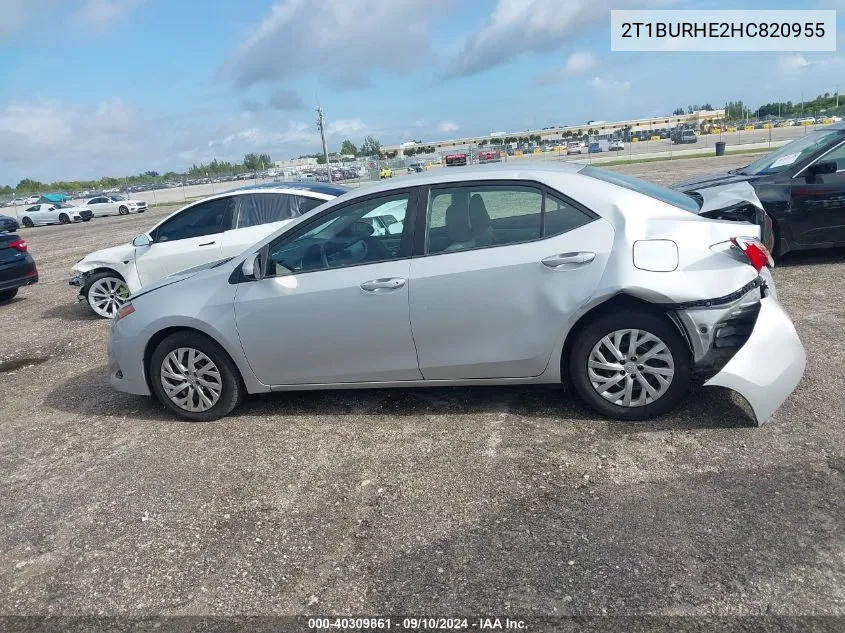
<point x="769" y="366"/>
<point x="746" y="342"/>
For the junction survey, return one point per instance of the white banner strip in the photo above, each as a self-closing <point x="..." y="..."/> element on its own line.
<point x="729" y="30"/>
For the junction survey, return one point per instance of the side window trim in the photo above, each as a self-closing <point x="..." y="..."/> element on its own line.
<point x="421" y="225"/>
<point x="406" y="244"/>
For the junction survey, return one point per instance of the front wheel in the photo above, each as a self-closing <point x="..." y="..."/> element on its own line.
<point x="194" y="377"/>
<point x="123" y="210"/>
<point x="106" y="293"/>
<point x="64" y="219"/>
<point x="630" y="365"/>
<point x="8" y="295"/>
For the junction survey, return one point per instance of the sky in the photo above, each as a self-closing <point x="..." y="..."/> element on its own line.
<point x="92" y="88"/>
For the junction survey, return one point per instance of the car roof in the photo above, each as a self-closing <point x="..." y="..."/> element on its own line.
<point x="499" y="171"/>
<point x="315" y="187"/>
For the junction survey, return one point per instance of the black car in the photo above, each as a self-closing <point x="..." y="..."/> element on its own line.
<point x="8" y="224"/>
<point x="796" y="193"/>
<point x="17" y="268"/>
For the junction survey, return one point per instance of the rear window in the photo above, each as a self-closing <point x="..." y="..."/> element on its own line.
<point x="669" y="196"/>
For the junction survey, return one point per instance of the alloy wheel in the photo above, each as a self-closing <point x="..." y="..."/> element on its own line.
<point x="630" y="368"/>
<point x="107" y="295"/>
<point x="191" y="379"/>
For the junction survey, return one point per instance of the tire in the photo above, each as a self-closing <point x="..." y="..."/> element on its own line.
<point x="8" y="295"/>
<point x="105" y="293"/>
<point x="122" y="210"/>
<point x="643" y="404"/>
<point x="231" y="388"/>
<point x="26" y="222"/>
<point x="64" y="219"/>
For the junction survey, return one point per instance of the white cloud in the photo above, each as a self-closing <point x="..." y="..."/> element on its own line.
<point x="609" y="86"/>
<point x="344" y="127"/>
<point x="101" y="15"/>
<point x="578" y="63"/>
<point x="51" y="140"/>
<point x="794" y="63"/>
<point x="448" y="126"/>
<point x="344" y="39"/>
<point x="519" y="26"/>
<point x="15" y="13"/>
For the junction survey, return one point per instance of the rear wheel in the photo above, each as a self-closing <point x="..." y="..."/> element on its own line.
<point x="106" y="293"/>
<point x="194" y="377"/>
<point x="7" y="295"/>
<point x="630" y="365"/>
<point x="64" y="219"/>
<point x="27" y="223"/>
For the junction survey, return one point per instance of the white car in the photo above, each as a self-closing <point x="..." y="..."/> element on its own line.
<point x="53" y="213"/>
<point x="616" y="145"/>
<point x="115" y="205"/>
<point x="215" y="228"/>
<point x="576" y="147"/>
<point x="31" y="200"/>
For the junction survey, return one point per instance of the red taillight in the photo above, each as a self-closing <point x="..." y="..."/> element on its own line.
<point x="19" y="244"/>
<point x="756" y="252"/>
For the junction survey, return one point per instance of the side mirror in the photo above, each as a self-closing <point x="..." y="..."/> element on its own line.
<point x="823" y="167"/>
<point x="142" y="240"/>
<point x="251" y="268"/>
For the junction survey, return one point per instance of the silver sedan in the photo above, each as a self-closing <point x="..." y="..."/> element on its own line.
<point x="493" y="276"/>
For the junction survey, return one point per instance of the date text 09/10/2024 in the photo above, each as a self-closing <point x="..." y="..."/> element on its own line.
<point x="415" y="624"/>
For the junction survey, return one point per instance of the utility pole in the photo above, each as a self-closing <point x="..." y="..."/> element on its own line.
<point x="323" y="137"/>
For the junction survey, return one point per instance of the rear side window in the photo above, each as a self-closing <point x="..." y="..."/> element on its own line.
<point x="206" y="218"/>
<point x="669" y="196"/>
<point x="264" y="208"/>
<point x="461" y="218"/>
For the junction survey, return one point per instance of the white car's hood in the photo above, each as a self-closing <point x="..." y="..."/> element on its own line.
<point x="112" y="257"/>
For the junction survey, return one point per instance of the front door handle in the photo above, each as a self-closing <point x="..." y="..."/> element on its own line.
<point x="208" y="243"/>
<point x="383" y="285"/>
<point x="569" y="261"/>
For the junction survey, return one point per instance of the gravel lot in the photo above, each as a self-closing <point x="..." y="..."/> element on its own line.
<point x="493" y="501"/>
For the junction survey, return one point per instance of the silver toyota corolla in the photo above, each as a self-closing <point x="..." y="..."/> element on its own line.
<point x="492" y="276"/>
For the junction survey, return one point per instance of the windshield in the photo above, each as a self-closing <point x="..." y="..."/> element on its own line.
<point x="669" y="196"/>
<point x="791" y="154"/>
<point x="118" y="198"/>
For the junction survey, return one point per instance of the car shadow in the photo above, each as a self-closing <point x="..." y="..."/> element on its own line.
<point x="812" y="257"/>
<point x="71" y="312"/>
<point x="90" y="394"/>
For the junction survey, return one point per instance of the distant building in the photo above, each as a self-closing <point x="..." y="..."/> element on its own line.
<point x="294" y="163"/>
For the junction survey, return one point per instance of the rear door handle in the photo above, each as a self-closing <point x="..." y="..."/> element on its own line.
<point x="569" y="261"/>
<point x="207" y="243"/>
<point x="383" y="285"/>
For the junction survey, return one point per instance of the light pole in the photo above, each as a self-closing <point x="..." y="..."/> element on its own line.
<point x="323" y="138"/>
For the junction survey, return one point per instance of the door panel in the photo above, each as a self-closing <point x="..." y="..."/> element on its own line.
<point x="160" y="259"/>
<point x="236" y="241"/>
<point x="817" y="215"/>
<point x="323" y="327"/>
<point x="497" y="312"/>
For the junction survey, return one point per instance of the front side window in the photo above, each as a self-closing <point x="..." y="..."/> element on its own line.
<point x="263" y="208"/>
<point x="344" y="237"/>
<point x="837" y="156"/>
<point x="206" y="218"/>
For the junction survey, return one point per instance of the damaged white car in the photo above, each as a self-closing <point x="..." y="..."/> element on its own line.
<point x="493" y="276"/>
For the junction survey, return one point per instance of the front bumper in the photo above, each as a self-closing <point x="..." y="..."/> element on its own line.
<point x="78" y="281"/>
<point x="126" y="360"/>
<point x="770" y="364"/>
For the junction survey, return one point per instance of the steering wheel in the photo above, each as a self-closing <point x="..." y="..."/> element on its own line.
<point x="331" y="248"/>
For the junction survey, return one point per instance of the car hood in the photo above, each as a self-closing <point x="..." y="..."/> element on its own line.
<point x="113" y="255"/>
<point x="712" y="180"/>
<point x="182" y="275"/>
